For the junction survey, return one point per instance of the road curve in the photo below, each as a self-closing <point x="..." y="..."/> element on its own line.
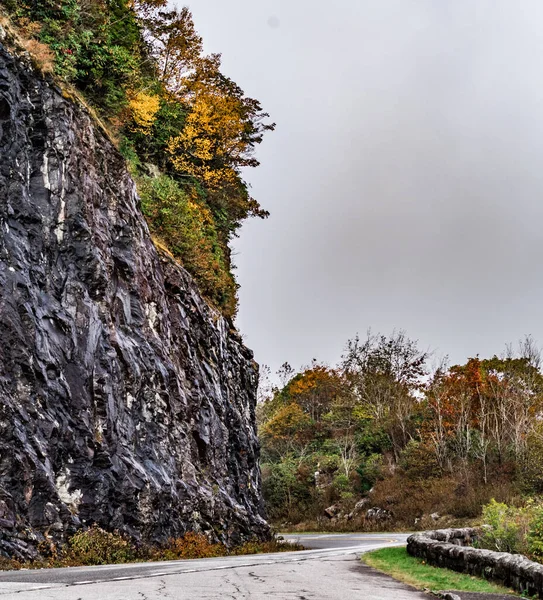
<point x="329" y="570"/>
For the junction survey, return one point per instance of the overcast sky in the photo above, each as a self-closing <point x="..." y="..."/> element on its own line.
<point x="405" y="177"/>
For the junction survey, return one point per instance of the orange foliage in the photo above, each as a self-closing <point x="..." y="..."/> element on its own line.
<point x="315" y="390"/>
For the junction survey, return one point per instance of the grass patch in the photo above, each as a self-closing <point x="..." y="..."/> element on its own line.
<point x="413" y="571"/>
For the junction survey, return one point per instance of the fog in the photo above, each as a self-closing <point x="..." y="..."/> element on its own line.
<point x="404" y="179"/>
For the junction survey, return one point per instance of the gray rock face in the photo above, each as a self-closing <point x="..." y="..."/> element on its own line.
<point x="125" y="399"/>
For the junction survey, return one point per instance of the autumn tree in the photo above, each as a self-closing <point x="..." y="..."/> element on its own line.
<point x="484" y="410"/>
<point x="174" y="44"/>
<point x="315" y="390"/>
<point x="287" y="431"/>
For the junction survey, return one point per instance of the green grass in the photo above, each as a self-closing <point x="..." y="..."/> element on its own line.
<point x="413" y="571"/>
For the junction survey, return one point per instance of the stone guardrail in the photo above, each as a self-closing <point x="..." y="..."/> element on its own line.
<point x="451" y="548"/>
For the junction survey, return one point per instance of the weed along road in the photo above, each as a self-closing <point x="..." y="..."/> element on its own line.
<point x="329" y="570"/>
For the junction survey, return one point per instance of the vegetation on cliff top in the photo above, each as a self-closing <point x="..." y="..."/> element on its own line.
<point x="142" y="67"/>
<point x="427" y="447"/>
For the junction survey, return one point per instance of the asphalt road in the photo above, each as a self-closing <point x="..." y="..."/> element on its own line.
<point x="330" y="570"/>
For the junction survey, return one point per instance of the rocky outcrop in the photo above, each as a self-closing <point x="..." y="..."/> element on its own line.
<point x="450" y="548"/>
<point x="125" y="399"/>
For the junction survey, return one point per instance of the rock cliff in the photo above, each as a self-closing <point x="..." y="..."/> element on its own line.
<point x="125" y="399"/>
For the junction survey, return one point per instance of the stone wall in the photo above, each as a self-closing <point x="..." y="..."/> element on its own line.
<point x="450" y="548"/>
<point x="126" y="400"/>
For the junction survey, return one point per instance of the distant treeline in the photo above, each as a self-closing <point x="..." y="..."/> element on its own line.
<point x="444" y="440"/>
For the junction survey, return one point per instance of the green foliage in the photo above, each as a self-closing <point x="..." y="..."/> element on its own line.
<point x="370" y="471"/>
<point x="286" y="489"/>
<point x="341" y="483"/>
<point x="142" y="68"/>
<point x="504" y="532"/>
<point x="185" y="226"/>
<point x="513" y="529"/>
<point x="97" y="47"/>
<point x="534" y="537"/>
<point x="418" y="461"/>
<point x="152" y="145"/>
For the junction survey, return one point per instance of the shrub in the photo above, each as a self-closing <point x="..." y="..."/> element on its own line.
<point x="41" y="55"/>
<point x="341" y="483"/>
<point x="94" y="546"/>
<point x="144" y="108"/>
<point x="504" y="531"/>
<point x="285" y="494"/>
<point x="470" y="495"/>
<point x="418" y="461"/>
<point x="188" y="230"/>
<point x="534" y="537"/>
<point x="191" y="545"/>
<point x="370" y="471"/>
<point x="410" y="500"/>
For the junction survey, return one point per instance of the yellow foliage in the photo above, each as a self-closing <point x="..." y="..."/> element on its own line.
<point x="286" y="423"/>
<point x="144" y="108"/>
<point x="316" y="389"/>
<point x="317" y="378"/>
<point x="212" y="140"/>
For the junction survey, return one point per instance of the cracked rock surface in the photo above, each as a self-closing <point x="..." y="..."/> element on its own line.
<point x="125" y="399"/>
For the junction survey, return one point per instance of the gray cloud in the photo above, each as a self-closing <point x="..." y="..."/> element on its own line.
<point x="405" y="176"/>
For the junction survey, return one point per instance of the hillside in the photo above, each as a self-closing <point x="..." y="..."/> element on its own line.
<point x="383" y="440"/>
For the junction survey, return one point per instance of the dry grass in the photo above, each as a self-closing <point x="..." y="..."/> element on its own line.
<point x="459" y="499"/>
<point x="41" y="55"/>
<point x="95" y="546"/>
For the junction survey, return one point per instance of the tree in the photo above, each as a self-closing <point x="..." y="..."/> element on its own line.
<point x="222" y="128"/>
<point x="385" y="374"/>
<point x="485" y="410"/>
<point x="173" y="42"/>
<point x="315" y="390"/>
<point x="287" y="431"/>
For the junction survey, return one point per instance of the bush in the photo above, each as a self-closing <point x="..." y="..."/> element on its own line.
<point x="287" y="495"/>
<point x="341" y="483"/>
<point x="94" y="546"/>
<point x="534" y="537"/>
<point x="471" y="494"/>
<point x="187" y="229"/>
<point x="505" y="528"/>
<point x="371" y="471"/>
<point x="418" y="461"/>
<point x="191" y="545"/>
<point x="410" y="500"/>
